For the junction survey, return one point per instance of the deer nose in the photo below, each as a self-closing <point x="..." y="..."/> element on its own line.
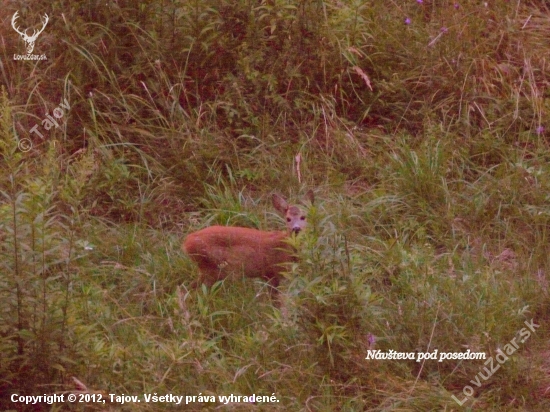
<point x="296" y="230"/>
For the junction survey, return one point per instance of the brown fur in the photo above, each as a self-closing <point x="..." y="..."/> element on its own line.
<point x="226" y="251"/>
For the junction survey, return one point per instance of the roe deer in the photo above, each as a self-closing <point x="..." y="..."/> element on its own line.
<point x="226" y="251"/>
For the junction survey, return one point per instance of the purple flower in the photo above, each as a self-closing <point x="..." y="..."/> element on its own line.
<point x="371" y="339"/>
<point x="444" y="30"/>
<point x="457" y="5"/>
<point x="540" y="130"/>
<point x="407" y="21"/>
<point x="420" y="1"/>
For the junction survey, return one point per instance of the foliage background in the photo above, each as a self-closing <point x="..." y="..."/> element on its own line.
<point x="422" y="126"/>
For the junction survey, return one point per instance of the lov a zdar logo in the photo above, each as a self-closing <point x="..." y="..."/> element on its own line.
<point x="29" y="40"/>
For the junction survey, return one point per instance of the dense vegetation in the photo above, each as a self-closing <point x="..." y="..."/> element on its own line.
<point x="422" y="127"/>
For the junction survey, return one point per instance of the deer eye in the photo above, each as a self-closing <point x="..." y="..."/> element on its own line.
<point x="302" y="218"/>
<point x="288" y="219"/>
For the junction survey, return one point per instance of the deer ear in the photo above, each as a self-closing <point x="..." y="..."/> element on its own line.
<point x="279" y="203"/>
<point x="310" y="196"/>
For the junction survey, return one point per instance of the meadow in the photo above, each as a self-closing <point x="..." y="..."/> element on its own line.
<point x="422" y="126"/>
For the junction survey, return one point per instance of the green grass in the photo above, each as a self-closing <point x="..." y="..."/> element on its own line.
<point x="425" y="141"/>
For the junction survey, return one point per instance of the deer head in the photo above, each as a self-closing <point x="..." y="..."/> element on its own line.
<point x="30" y="40"/>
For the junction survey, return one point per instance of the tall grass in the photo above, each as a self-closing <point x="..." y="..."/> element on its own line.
<point x="422" y="126"/>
